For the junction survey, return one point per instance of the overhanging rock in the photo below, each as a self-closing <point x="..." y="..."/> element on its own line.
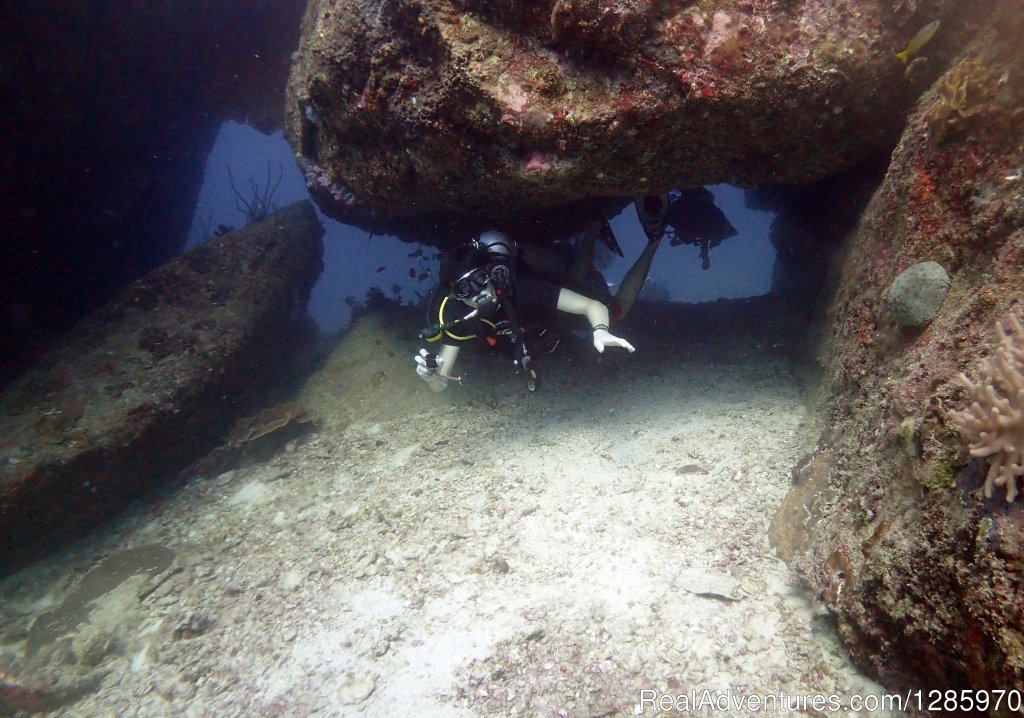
<point x="151" y="381"/>
<point x="430" y="117"/>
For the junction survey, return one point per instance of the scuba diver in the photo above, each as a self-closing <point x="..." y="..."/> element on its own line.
<point x="496" y="290"/>
<point x="693" y="218"/>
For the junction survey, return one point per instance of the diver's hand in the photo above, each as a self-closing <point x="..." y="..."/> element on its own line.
<point x="602" y="339"/>
<point x="427" y="365"/>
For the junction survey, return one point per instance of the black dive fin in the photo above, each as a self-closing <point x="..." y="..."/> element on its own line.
<point x="607" y="237"/>
<point x="651" y="210"/>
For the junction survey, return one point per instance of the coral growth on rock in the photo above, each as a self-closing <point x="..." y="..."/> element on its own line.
<point x="993" y="423"/>
<point x="149" y="382"/>
<point x="418" y="114"/>
<point x="274" y="418"/>
<point x="957" y="92"/>
<point x="917" y="293"/>
<point x="931" y="595"/>
<point x="254" y="439"/>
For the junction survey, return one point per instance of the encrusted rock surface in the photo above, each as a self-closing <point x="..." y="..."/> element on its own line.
<point x="888" y="523"/>
<point x="435" y="116"/>
<point x="149" y="382"/>
<point x="916" y="294"/>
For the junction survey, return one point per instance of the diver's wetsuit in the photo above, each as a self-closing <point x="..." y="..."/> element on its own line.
<point x="553" y="263"/>
<point x="535" y="301"/>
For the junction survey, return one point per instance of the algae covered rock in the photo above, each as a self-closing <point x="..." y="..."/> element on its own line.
<point x="892" y="528"/>
<point x="916" y="295"/>
<point x="439" y="117"/>
<point x="152" y="381"/>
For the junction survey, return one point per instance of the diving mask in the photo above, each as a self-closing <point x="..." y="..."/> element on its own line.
<point x="475" y="281"/>
<point x="471" y="283"/>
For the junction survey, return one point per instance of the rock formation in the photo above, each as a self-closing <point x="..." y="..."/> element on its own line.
<point x="112" y="109"/>
<point x="888" y="522"/>
<point x="917" y="294"/>
<point x="151" y="381"/>
<point x="428" y="117"/>
<point x="432" y="118"/>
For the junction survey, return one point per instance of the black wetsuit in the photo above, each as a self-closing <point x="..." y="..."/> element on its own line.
<point x="534" y="301"/>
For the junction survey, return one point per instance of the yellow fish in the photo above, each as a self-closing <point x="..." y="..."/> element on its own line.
<point x="919" y="40"/>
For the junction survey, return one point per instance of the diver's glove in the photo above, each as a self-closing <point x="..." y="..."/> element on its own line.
<point x="603" y="338"/>
<point x="427" y="365"/>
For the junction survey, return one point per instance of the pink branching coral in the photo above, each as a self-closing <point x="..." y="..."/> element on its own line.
<point x="993" y="424"/>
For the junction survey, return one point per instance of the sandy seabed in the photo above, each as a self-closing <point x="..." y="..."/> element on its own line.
<point x="569" y="553"/>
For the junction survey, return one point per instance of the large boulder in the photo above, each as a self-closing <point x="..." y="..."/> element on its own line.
<point x="430" y="117"/>
<point x="889" y="522"/>
<point x="151" y="381"/>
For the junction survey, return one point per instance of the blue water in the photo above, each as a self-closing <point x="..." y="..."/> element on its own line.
<point x="354" y="263"/>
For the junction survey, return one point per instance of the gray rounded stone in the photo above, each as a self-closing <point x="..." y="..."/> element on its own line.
<point x="916" y="295"/>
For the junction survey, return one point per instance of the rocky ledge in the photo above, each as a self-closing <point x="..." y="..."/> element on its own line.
<point x="433" y="116"/>
<point x="151" y="381"/>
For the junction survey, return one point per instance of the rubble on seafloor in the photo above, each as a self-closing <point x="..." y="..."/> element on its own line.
<point x="548" y="553"/>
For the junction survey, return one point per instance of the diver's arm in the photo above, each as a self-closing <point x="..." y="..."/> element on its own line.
<point x="446" y="360"/>
<point x="573" y="303"/>
<point x="437" y="376"/>
<point x="596" y="313"/>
